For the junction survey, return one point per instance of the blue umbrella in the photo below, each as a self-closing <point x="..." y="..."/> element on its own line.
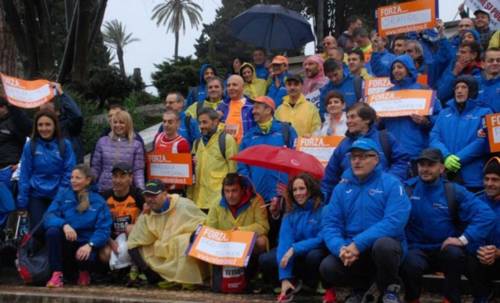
<point x="272" y="27"/>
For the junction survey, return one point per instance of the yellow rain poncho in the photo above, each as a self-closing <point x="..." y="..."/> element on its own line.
<point x="258" y="87"/>
<point x="164" y="238"/>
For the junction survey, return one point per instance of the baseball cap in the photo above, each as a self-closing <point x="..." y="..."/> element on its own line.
<point x="364" y="144"/>
<point x="154" y="187"/>
<point x="266" y="100"/>
<point x="480" y="11"/>
<point x="431" y="154"/>
<point x="295" y="77"/>
<point x="280" y="60"/>
<point x="123" y="167"/>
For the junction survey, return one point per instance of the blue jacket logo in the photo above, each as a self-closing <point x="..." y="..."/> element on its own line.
<point x="374" y="191"/>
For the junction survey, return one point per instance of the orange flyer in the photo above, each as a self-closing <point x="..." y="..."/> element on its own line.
<point x="225" y="248"/>
<point x="493" y="125"/>
<point x="321" y="148"/>
<point x="377" y="85"/>
<point x="170" y="168"/>
<point x="402" y="103"/>
<point x="406" y="17"/>
<point x="26" y="94"/>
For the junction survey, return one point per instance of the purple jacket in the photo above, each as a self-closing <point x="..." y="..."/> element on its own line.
<point x="110" y="151"/>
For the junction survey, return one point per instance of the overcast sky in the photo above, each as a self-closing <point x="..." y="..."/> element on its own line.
<point x="156" y="44"/>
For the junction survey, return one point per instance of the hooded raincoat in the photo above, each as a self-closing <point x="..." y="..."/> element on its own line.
<point x="257" y="87"/>
<point x="164" y="237"/>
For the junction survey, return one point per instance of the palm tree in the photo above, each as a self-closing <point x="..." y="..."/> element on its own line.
<point x="114" y="36"/>
<point x="171" y="13"/>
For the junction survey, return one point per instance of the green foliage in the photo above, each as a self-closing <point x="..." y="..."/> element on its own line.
<point x="107" y="84"/>
<point x="176" y="75"/>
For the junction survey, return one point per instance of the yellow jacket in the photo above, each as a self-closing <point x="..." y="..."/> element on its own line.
<point x="304" y="116"/>
<point x="211" y="168"/>
<point x="495" y="40"/>
<point x="251" y="217"/>
<point x="191" y="110"/>
<point x="164" y="237"/>
<point x="258" y="87"/>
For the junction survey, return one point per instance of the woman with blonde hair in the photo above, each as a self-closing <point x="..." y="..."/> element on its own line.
<point x="118" y="146"/>
<point x="78" y="223"/>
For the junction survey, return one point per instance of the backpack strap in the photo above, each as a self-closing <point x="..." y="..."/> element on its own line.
<point x="386" y="146"/>
<point x="199" y="107"/>
<point x="449" y="190"/>
<point x="222" y="144"/>
<point x="285" y="131"/>
<point x="196" y="143"/>
<point x="187" y="122"/>
<point x="409" y="190"/>
<point x="358" y="88"/>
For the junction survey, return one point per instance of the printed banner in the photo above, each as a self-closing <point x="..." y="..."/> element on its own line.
<point x="170" y="168"/>
<point x="402" y="103"/>
<point x="26" y="94"/>
<point x="406" y="17"/>
<point x="493" y="125"/>
<point x="321" y="148"/>
<point x="225" y="248"/>
<point x="492" y="7"/>
<point x="377" y="85"/>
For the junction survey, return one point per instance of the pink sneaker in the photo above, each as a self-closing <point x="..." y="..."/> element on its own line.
<point x="330" y="296"/>
<point x="56" y="281"/>
<point x="83" y="278"/>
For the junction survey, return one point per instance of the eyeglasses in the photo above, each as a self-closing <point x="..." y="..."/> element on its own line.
<point x="493" y="60"/>
<point x="362" y="156"/>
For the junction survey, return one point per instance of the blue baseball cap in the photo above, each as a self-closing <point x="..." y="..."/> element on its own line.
<point x="364" y="144"/>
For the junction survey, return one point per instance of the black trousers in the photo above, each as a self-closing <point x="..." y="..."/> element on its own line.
<point x="380" y="263"/>
<point x="451" y="261"/>
<point x="480" y="277"/>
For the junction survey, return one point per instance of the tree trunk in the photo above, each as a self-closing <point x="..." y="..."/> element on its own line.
<point x="176" y="51"/>
<point x="8" y="50"/>
<point x="80" y="58"/>
<point x="121" y="63"/>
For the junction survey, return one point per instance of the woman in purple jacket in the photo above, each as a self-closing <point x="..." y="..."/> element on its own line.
<point x="118" y="146"/>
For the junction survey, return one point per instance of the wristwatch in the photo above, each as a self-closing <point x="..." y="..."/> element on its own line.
<point x="91" y="244"/>
<point x="463" y="239"/>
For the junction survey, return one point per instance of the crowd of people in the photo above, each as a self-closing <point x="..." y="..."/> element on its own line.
<point x="400" y="197"/>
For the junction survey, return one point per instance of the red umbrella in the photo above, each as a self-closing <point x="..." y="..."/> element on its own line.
<point x="282" y="159"/>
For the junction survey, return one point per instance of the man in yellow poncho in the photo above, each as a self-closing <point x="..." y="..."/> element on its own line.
<point x="159" y="239"/>
<point x="215" y="95"/>
<point x="295" y="109"/>
<point x="253" y="86"/>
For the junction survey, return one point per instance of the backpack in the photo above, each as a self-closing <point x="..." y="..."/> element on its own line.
<point x="451" y="198"/>
<point x="228" y="279"/>
<point x="222" y="144"/>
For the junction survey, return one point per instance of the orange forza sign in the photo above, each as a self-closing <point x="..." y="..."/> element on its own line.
<point x="225" y="248"/>
<point x="321" y="148"/>
<point x="170" y="168"/>
<point x="27" y="94"/>
<point x="402" y="103"/>
<point x="406" y="17"/>
<point x="493" y="125"/>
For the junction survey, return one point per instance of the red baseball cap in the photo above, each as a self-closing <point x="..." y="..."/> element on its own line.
<point x="266" y="100"/>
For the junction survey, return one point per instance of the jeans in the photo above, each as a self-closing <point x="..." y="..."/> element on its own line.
<point x="381" y="263"/>
<point x="62" y="253"/>
<point x="451" y="261"/>
<point x="306" y="267"/>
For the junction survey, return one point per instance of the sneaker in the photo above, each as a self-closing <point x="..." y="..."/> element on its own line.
<point x="391" y="294"/>
<point x="83" y="278"/>
<point x="56" y="281"/>
<point x="354" y="297"/>
<point x="330" y="296"/>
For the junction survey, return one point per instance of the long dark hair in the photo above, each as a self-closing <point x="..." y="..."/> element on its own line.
<point x="57" y="130"/>
<point x="313" y="188"/>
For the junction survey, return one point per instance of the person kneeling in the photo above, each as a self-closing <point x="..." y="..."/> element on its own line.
<point x="241" y="209"/>
<point x="78" y="223"/>
<point x="157" y="244"/>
